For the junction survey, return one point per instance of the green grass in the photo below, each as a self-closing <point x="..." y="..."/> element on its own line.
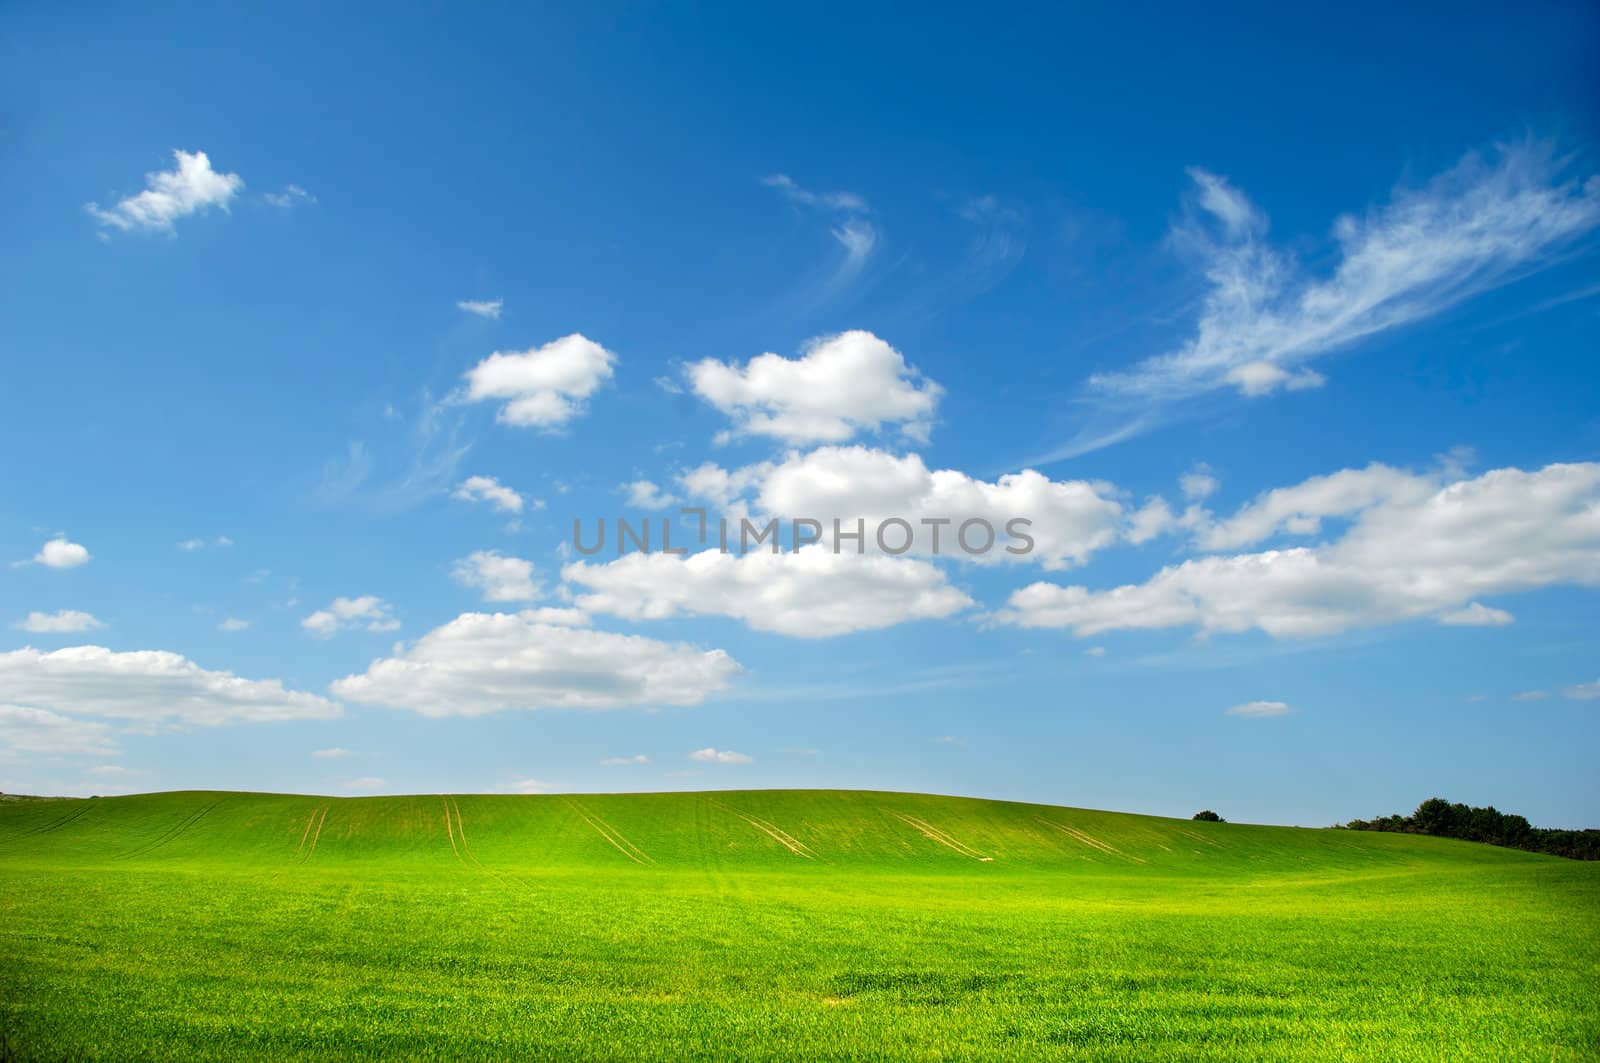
<point x="666" y="926"/>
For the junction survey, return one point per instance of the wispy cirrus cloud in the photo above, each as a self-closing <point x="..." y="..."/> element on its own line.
<point x="1266" y="316"/>
<point x="849" y="224"/>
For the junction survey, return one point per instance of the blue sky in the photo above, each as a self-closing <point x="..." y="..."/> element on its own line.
<point x="320" y="332"/>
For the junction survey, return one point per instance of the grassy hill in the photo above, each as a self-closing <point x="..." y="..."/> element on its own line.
<point x="771" y="924"/>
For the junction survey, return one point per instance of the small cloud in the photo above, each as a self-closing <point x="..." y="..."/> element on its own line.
<point x="643" y="494"/>
<point x="949" y="740"/>
<point x="1476" y="615"/>
<point x="233" y="624"/>
<point x="1531" y="695"/>
<point x="1583" y="691"/>
<point x="60" y="553"/>
<point x="490" y="490"/>
<point x="62" y="622"/>
<point x="1255" y="379"/>
<point x="499" y="577"/>
<point x="489" y="308"/>
<point x="528" y="786"/>
<point x="1095" y="651"/>
<point x="292" y="195"/>
<point x="712" y="755"/>
<point x="191" y="545"/>
<point x="344" y="613"/>
<point x="365" y="783"/>
<point x="331" y="753"/>
<point x="1198" y="483"/>
<point x="1260" y="708"/>
<point x="191" y="187"/>
<point x="618" y="762"/>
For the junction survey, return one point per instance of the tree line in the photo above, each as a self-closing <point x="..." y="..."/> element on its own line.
<point x="1440" y="818"/>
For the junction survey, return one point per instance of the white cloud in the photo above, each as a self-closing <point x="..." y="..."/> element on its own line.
<point x="61" y="622"/>
<point x="1300" y="509"/>
<point x="620" y="762"/>
<point x="490" y="662"/>
<point x="1476" y="614"/>
<point x="190" y="187"/>
<point x="489" y="308"/>
<point x="840" y="385"/>
<point x="711" y="755"/>
<point x="1255" y="379"/>
<point x="39" y="732"/>
<point x="542" y="387"/>
<point x="490" y="490"/>
<point x="1150" y="520"/>
<point x="342" y="614"/>
<point x="848" y="202"/>
<point x="643" y="494"/>
<point x="1468" y="229"/>
<point x="292" y="195"/>
<point x="1583" y="691"/>
<point x="233" y="624"/>
<point x="500" y="578"/>
<point x="59" y="553"/>
<point x="365" y="784"/>
<point x="1071" y="518"/>
<point x="528" y="786"/>
<point x="331" y="753"/>
<point x="191" y="545"/>
<point x="1418" y="550"/>
<point x="149" y="686"/>
<point x="1260" y="708"/>
<point x="1531" y="695"/>
<point x="1095" y="651"/>
<point x="1198" y="484"/>
<point x="811" y="593"/>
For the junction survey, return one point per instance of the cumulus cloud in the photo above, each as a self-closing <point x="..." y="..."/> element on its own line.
<point x="491" y="662"/>
<point x="233" y="624"/>
<point x="490" y="490"/>
<point x="343" y="614"/>
<point x="331" y="753"/>
<point x="191" y="545"/>
<point x="148" y="686"/>
<point x="1070" y="518"/>
<point x="1414" y="549"/>
<point x="839" y="386"/>
<point x="644" y="494"/>
<point x="489" y="308"/>
<point x="190" y="187"/>
<point x="1198" y="484"/>
<point x="1260" y="708"/>
<point x="811" y="593"/>
<point x="60" y="553"/>
<point x="542" y="387"/>
<point x="500" y="578"/>
<point x="712" y="755"/>
<point x="39" y="732"/>
<point x="61" y="622"/>
<point x="621" y="762"/>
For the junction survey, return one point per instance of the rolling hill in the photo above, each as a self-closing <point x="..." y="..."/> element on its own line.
<point x="770" y="924"/>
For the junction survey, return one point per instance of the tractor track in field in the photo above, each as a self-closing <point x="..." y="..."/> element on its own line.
<point x="929" y="831"/>
<point x="612" y="835"/>
<point x="1090" y="840"/>
<point x="320" y="815"/>
<point x="772" y="830"/>
<point x="460" y="837"/>
<point x="171" y="833"/>
<point x="57" y="824"/>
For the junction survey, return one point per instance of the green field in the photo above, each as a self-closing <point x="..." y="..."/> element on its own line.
<point x="771" y="924"/>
